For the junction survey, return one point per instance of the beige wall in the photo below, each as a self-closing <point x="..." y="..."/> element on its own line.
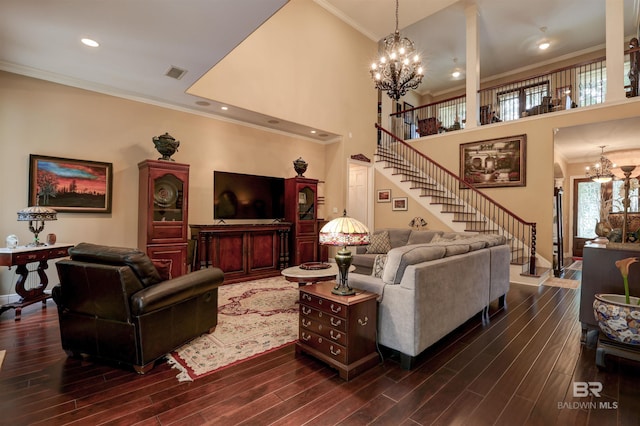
<point x="386" y="217"/>
<point x="306" y="66"/>
<point x="50" y="119"/>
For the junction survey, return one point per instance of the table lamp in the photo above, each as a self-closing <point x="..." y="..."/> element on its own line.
<point x="343" y="232"/>
<point x="38" y="215"/>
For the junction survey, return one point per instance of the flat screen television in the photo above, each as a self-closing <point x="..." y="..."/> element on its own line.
<point x="248" y="197"/>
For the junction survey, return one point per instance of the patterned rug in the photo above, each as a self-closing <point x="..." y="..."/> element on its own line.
<point x="254" y="317"/>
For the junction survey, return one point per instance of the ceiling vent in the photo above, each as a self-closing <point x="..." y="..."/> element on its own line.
<point x="175" y="72"/>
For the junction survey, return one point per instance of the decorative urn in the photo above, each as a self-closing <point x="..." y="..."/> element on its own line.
<point x="166" y="145"/>
<point x="300" y="166"/>
<point x="618" y="320"/>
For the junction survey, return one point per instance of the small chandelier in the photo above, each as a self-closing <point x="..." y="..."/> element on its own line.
<point x="601" y="171"/>
<point x="399" y="68"/>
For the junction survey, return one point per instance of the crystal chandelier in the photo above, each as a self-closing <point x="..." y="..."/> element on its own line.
<point x="601" y="171"/>
<point x="399" y="68"/>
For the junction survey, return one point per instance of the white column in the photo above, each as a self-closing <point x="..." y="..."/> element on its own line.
<point x="615" y="50"/>
<point x="473" y="64"/>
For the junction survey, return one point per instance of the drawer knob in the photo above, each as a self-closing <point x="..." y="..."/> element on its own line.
<point x="305" y="296"/>
<point x="306" y="310"/>
<point x="335" y="322"/>
<point x="363" y="322"/>
<point x="306" y="323"/>
<point x="335" y="336"/>
<point x="334" y="309"/>
<point x="306" y="337"/>
<point x="334" y="352"/>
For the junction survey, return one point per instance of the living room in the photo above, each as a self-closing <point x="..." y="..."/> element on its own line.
<point x="52" y="118"/>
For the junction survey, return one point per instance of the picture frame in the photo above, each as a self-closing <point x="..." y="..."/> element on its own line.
<point x="69" y="185"/>
<point x="494" y="163"/>
<point x="383" y="196"/>
<point x="400" y="204"/>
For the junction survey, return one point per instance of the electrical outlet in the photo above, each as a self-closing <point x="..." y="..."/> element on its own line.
<point x="335" y="210"/>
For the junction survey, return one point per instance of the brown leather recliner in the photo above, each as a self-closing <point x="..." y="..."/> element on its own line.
<point x="114" y="305"/>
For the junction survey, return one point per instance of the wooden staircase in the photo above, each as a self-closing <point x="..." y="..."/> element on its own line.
<point x="462" y="211"/>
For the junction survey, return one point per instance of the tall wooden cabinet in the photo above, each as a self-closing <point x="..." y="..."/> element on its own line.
<point x="301" y="209"/>
<point x="162" y="212"/>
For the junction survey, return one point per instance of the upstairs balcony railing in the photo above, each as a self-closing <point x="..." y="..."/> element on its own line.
<point x="574" y="86"/>
<point x="468" y="205"/>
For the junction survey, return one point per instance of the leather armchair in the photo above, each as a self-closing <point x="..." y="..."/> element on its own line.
<point x="114" y="305"/>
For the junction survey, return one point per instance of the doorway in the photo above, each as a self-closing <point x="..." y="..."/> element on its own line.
<point x="360" y="193"/>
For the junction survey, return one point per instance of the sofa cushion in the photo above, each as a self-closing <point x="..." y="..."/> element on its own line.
<point x="400" y="257"/>
<point x="398" y="236"/>
<point x="422" y="237"/>
<point x="134" y="258"/>
<point x="380" y="243"/>
<point x="378" y="265"/>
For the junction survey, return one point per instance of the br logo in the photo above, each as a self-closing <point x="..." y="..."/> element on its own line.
<point x="585" y="389"/>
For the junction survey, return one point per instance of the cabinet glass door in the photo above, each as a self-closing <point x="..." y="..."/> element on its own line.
<point x="306" y="204"/>
<point x="167" y="199"/>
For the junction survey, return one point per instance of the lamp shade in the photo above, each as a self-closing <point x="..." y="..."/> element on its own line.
<point x="344" y="231"/>
<point x="37" y="213"/>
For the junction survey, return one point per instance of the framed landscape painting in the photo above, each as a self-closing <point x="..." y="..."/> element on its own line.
<point x="495" y="162"/>
<point x="383" y="196"/>
<point x="71" y="186"/>
<point x="399" y="204"/>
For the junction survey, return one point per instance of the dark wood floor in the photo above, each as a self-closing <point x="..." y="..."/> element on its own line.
<point x="519" y="370"/>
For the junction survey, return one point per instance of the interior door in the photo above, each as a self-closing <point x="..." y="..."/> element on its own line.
<point x="358" y="205"/>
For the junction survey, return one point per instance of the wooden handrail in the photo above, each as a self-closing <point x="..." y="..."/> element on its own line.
<point x="456" y="177"/>
<point x="492" y="215"/>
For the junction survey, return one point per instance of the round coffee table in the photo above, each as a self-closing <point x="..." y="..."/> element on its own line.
<point x="304" y="276"/>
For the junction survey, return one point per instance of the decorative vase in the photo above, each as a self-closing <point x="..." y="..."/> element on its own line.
<point x="603" y="228"/>
<point x="618" y="320"/>
<point x="51" y="239"/>
<point x="166" y="145"/>
<point x="300" y="166"/>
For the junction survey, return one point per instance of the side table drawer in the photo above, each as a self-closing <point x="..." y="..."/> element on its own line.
<point x="325" y="305"/>
<point x="29" y="257"/>
<point x="319" y="316"/>
<point x="324" y="345"/>
<point x="309" y="324"/>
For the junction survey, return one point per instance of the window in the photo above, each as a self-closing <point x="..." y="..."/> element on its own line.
<point x="514" y="102"/>
<point x="593" y="86"/>
<point x="448" y="114"/>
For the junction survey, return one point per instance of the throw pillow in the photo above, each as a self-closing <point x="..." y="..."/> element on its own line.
<point x="380" y="243"/>
<point x="378" y="265"/>
<point x="163" y="266"/>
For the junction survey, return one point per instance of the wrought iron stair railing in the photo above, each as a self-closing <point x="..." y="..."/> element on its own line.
<point x="477" y="211"/>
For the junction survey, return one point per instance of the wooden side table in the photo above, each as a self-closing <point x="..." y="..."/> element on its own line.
<point x="20" y="257"/>
<point x="339" y="330"/>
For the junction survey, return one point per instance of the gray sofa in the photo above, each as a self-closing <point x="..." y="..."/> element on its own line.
<point x="428" y="289"/>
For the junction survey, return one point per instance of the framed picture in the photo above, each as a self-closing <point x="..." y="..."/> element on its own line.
<point x="495" y="162"/>
<point x="71" y="186"/>
<point x="383" y="196"/>
<point x="399" y="203"/>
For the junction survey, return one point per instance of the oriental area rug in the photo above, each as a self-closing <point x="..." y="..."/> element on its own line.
<point x="254" y="317"/>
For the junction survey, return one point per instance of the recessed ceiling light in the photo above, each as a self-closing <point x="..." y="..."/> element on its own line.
<point x="455" y="74"/>
<point x="224" y="108"/>
<point x="89" y="42"/>
<point x="313" y="132"/>
<point x="544" y="45"/>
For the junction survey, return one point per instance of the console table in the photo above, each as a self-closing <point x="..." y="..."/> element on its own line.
<point x="243" y="251"/>
<point x="20" y="257"/>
